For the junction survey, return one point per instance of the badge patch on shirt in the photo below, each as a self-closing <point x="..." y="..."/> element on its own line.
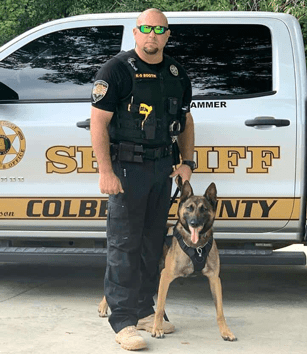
<point x="99" y="90"/>
<point x="174" y="70"/>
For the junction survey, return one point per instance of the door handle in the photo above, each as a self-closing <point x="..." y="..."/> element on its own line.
<point x="85" y="124"/>
<point x="267" y="121"/>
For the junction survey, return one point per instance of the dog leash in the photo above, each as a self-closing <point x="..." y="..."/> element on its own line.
<point x="171" y="203"/>
<point x="174" y="196"/>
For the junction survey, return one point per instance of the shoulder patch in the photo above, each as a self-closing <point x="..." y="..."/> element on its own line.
<point x="99" y="90"/>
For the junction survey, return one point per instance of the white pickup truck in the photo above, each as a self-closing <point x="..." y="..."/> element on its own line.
<point x="248" y="73"/>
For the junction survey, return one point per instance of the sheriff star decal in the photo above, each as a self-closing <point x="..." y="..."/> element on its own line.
<point x="99" y="90"/>
<point x="12" y="145"/>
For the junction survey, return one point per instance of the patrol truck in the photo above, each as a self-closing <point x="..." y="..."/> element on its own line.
<point x="248" y="74"/>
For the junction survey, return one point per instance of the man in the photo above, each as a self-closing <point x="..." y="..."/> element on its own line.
<point x="140" y="104"/>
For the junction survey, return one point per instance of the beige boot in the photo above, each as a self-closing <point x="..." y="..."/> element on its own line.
<point x="147" y="323"/>
<point x="130" y="339"/>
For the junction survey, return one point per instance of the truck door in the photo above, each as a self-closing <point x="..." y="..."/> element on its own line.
<point x="244" y="108"/>
<point x="48" y="172"/>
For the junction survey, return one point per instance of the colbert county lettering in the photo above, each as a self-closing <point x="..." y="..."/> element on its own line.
<point x="96" y="208"/>
<point x="57" y="208"/>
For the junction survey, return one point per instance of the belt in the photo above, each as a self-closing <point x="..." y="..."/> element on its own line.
<point x="136" y="153"/>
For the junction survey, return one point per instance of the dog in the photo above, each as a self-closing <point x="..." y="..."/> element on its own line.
<point x="191" y="248"/>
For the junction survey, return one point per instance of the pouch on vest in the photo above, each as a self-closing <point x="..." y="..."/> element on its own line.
<point x="130" y="152"/>
<point x="149" y="124"/>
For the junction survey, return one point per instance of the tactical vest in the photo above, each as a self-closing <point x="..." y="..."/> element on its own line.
<point x="154" y="106"/>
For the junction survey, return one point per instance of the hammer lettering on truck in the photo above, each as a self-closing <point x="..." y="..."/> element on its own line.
<point x="209" y="159"/>
<point x="210" y="104"/>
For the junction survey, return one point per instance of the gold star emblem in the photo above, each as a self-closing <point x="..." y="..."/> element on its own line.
<point x="10" y="152"/>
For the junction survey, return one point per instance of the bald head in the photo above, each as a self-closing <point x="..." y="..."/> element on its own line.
<point x="147" y="13"/>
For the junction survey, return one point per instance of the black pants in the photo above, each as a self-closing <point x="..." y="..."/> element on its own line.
<point x="135" y="231"/>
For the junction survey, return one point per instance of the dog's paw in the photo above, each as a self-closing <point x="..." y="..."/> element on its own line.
<point x="229" y="337"/>
<point x="157" y="333"/>
<point x="226" y="333"/>
<point x="103" y="314"/>
<point x="103" y="310"/>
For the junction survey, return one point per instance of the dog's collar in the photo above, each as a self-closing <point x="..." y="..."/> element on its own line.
<point x="198" y="255"/>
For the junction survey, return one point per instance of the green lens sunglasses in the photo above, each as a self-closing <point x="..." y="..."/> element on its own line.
<point x="157" y="29"/>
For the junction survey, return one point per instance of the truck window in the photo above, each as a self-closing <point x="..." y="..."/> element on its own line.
<point x="224" y="60"/>
<point x="60" y="65"/>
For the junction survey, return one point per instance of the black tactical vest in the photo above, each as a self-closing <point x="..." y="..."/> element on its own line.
<point x="154" y="104"/>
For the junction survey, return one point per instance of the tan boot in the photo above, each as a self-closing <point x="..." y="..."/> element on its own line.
<point x="130" y="339"/>
<point x="146" y="324"/>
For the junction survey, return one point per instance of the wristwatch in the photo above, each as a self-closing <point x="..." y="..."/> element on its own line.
<point x="190" y="163"/>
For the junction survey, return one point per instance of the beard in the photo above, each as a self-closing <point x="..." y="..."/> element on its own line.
<point x="150" y="51"/>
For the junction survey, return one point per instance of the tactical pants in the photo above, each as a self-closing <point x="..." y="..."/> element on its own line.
<point x="135" y="231"/>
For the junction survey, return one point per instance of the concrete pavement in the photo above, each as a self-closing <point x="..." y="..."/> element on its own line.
<point x="52" y="309"/>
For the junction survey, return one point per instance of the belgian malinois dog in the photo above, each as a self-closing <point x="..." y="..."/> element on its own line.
<point x="192" y="248"/>
<point x="193" y="231"/>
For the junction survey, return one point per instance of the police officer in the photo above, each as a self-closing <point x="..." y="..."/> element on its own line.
<point x="140" y="105"/>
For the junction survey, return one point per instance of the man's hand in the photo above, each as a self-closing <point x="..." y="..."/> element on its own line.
<point x="184" y="171"/>
<point x="109" y="183"/>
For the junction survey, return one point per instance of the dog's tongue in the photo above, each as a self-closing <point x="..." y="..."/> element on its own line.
<point x="194" y="234"/>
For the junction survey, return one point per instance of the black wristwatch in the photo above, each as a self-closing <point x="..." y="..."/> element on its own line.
<point x="190" y="163"/>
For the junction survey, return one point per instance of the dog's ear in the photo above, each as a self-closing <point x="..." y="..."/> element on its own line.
<point x="211" y="194"/>
<point x="186" y="191"/>
<point x="178" y="181"/>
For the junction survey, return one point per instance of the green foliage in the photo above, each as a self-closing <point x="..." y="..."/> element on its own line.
<point x="17" y="16"/>
<point x="303" y="23"/>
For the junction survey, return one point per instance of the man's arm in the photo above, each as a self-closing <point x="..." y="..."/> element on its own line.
<point x="186" y="148"/>
<point x="186" y="139"/>
<point x="109" y="183"/>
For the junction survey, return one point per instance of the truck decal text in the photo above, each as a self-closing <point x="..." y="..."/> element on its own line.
<point x="208" y="104"/>
<point x="209" y="159"/>
<point x="96" y="208"/>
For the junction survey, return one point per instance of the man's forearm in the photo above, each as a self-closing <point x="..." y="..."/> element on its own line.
<point x="186" y="140"/>
<point x="101" y="141"/>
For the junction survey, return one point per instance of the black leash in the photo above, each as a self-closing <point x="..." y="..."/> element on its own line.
<point x="171" y="203"/>
<point x="165" y="317"/>
<point x="174" y="196"/>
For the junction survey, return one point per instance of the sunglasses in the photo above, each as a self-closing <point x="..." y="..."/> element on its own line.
<point x="157" y="29"/>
